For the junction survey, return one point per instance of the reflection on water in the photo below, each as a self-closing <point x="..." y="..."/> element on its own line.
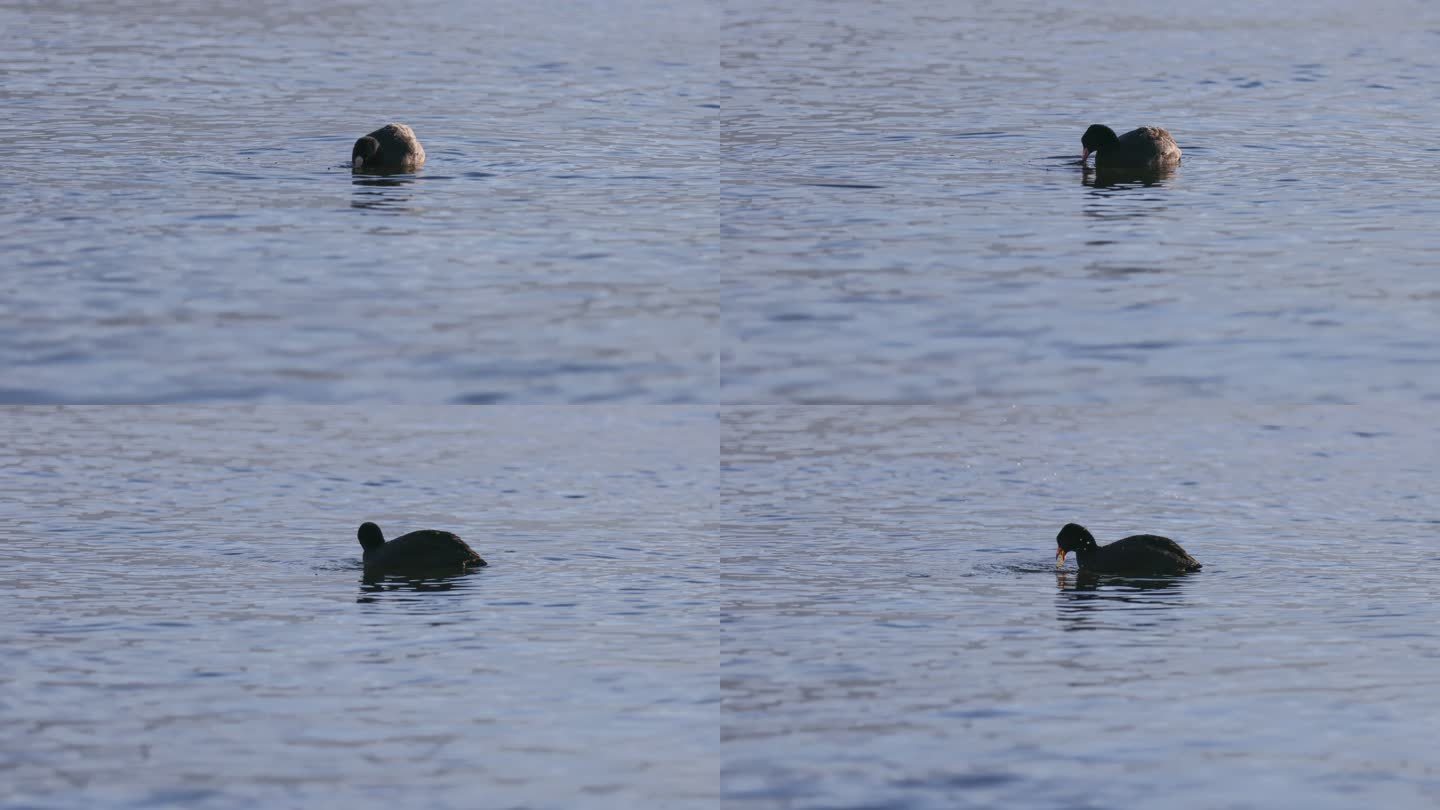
<point x="1110" y="178"/>
<point x="383" y="193"/>
<point x="1088" y="581"/>
<point x="382" y="180"/>
<point x="388" y="583"/>
<point x="1095" y="602"/>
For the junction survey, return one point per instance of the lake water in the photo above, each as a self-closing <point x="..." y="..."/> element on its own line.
<point x="185" y="621"/>
<point x="895" y="633"/>
<point x="181" y="223"/>
<point x="830" y="271"/>
<point x="904" y="219"/>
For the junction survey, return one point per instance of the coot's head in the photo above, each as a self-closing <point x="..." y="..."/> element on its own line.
<point x="1073" y="537"/>
<point x="361" y="156"/>
<point x="370" y="536"/>
<point x="1097" y="137"/>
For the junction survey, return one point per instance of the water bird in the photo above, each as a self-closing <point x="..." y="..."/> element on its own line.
<point x="1146" y="148"/>
<point x="392" y="147"/>
<point x="1141" y="554"/>
<point x="420" y="551"/>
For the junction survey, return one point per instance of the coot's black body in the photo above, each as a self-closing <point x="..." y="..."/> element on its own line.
<point x="392" y="147"/>
<point x="1141" y="554"/>
<point x="425" y="550"/>
<point x="1145" y="149"/>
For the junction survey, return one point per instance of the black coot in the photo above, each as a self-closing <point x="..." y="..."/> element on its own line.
<point x="425" y="550"/>
<point x="1142" y="554"/>
<point x="392" y="147"/>
<point x="1146" y="148"/>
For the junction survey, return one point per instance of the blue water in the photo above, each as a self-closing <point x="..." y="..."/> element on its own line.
<point x="762" y="349"/>
<point x="904" y="218"/>
<point x="186" y="622"/>
<point x="181" y="224"/>
<point x="896" y="634"/>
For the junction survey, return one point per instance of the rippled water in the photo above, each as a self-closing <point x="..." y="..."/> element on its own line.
<point x="785" y="207"/>
<point x="186" y="622"/>
<point x="181" y="223"/>
<point x="904" y="219"/>
<point x="895" y="633"/>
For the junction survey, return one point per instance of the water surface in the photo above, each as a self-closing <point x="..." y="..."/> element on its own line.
<point x="186" y="622"/>
<point x="895" y="633"/>
<point x="904" y="218"/>
<point x="181" y="223"/>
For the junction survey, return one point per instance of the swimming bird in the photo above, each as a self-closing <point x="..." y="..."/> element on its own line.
<point x="1146" y="148"/>
<point x="392" y="147"/>
<point x="425" y="550"/>
<point x="1141" y="554"/>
